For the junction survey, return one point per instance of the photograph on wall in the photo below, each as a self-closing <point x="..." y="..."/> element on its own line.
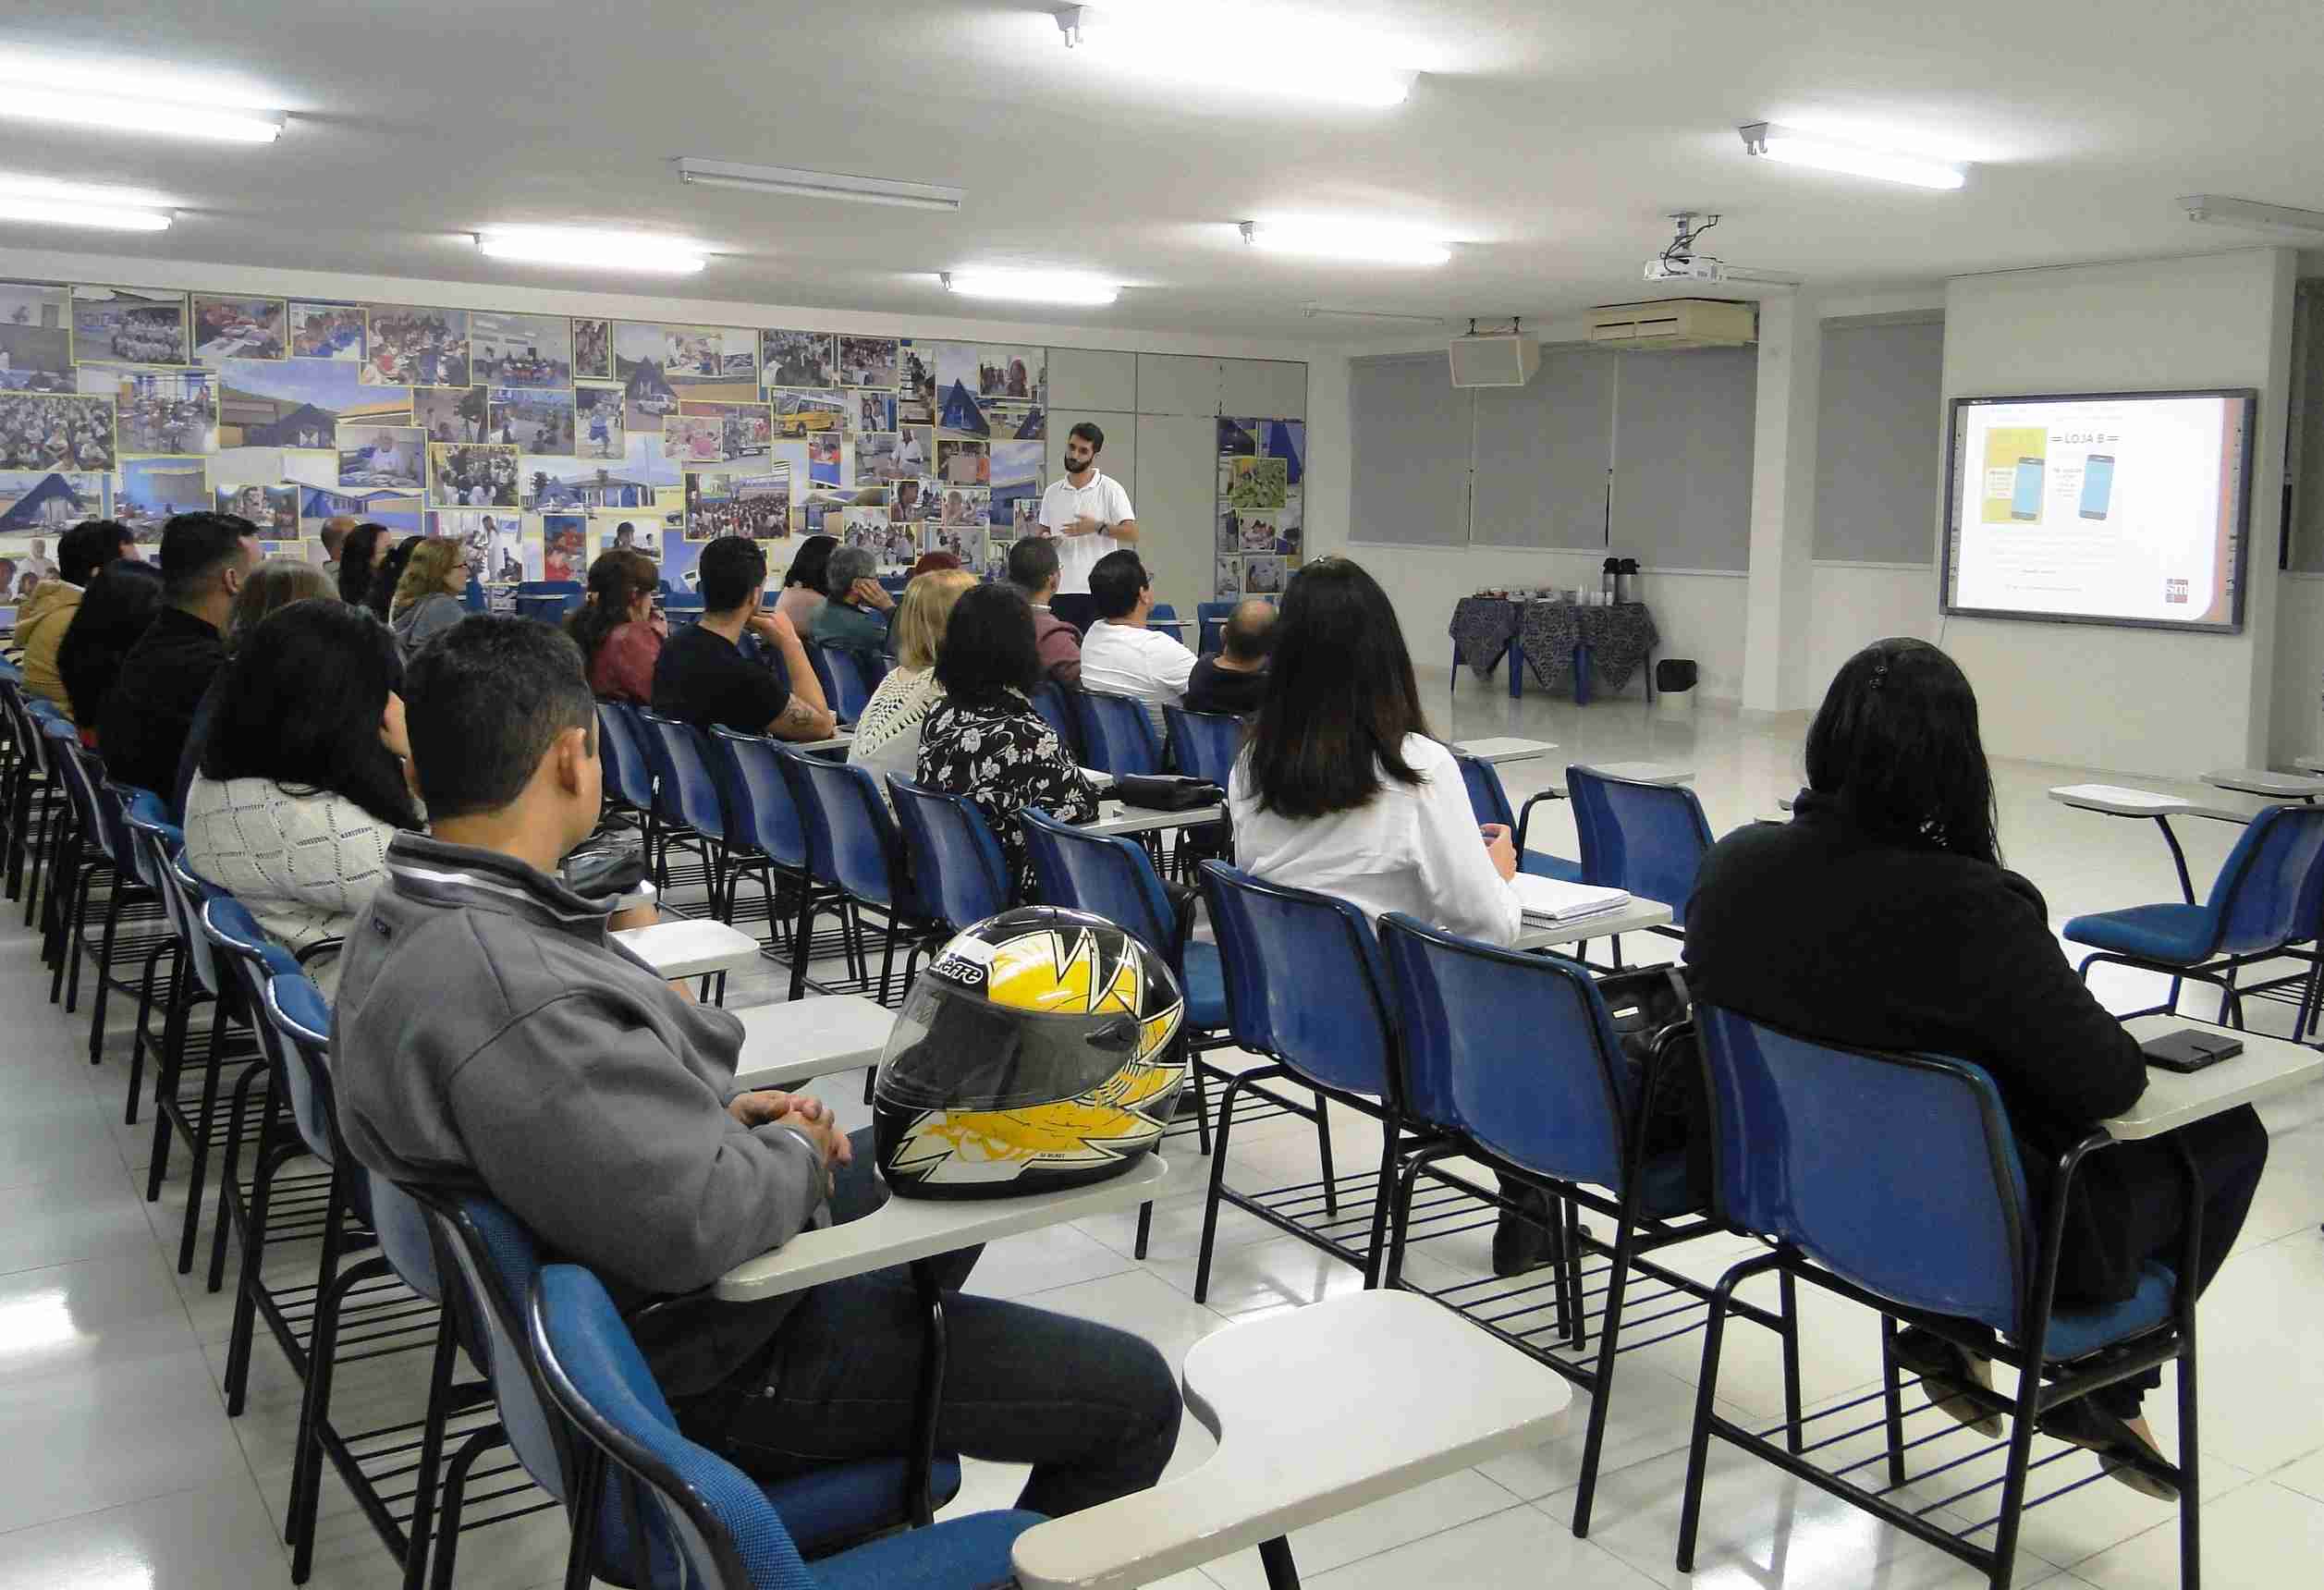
<point x="157" y="410"/>
<point x="733" y="502"/>
<point x="239" y="328"/>
<point x="299" y="403"/>
<point x="875" y="461"/>
<point x="873" y="411"/>
<point x="693" y="438"/>
<point x="1254" y="532"/>
<point x="824" y="452"/>
<point x="960" y="365"/>
<point x="564" y="546"/>
<point x="134" y="326"/>
<point x="809" y="413"/>
<point x="1227" y="579"/>
<point x="1019" y="373"/>
<point x="868" y="362"/>
<point x="1262" y="576"/>
<point x="868" y="528"/>
<point x="964" y="463"/>
<point x="960" y="505"/>
<point x="916" y="375"/>
<point x="534" y="420"/>
<point x="154" y="489"/>
<point x="529" y="350"/>
<point x="1024" y="518"/>
<point x="649" y="531"/>
<point x="1229" y="540"/>
<point x="799" y="358"/>
<point x="403" y="513"/>
<point x="1016" y="422"/>
<point x="383" y="455"/>
<point x="551" y="485"/>
<point x="996" y="567"/>
<point x="747" y="431"/>
<point x="50" y="500"/>
<point x="598" y="429"/>
<point x="916" y="450"/>
<point x="1287" y="440"/>
<point x="451" y="413"/>
<point x="413" y="347"/>
<point x="912" y="500"/>
<point x="1238" y="438"/>
<point x="511" y="555"/>
<point x="681" y="560"/>
<point x="961" y="415"/>
<point x="707" y="362"/>
<point x="1017" y="467"/>
<point x="275" y="510"/>
<point x="55" y="431"/>
<point x="965" y="541"/>
<point x="592" y="351"/>
<point x="36" y="336"/>
<point x="326" y="331"/>
<point x="1290" y="523"/>
<point x="472" y="476"/>
<point x="1259" y="484"/>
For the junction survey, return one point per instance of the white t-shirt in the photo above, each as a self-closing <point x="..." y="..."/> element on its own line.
<point x="1125" y="660"/>
<point x="1411" y="847"/>
<point x="1103" y="500"/>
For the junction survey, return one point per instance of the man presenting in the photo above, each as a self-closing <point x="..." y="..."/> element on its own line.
<point x="1090" y="515"/>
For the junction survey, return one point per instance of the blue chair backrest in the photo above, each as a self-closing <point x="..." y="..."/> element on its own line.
<point x="545" y="607"/>
<point x="851" y="838"/>
<point x="627" y="771"/>
<point x="1516" y="1051"/>
<point x="836" y="694"/>
<point x="1053" y="702"/>
<point x="243" y="953"/>
<point x="1211" y="618"/>
<point x="1104" y="874"/>
<point x="63" y="755"/>
<point x="748" y="770"/>
<point x="1205" y="744"/>
<point x="957" y="866"/>
<point x="693" y="795"/>
<point x="158" y="842"/>
<point x="143" y="812"/>
<point x="1304" y="982"/>
<point x="2262" y="895"/>
<point x="1805" y="1149"/>
<point x="192" y="894"/>
<point x="1648" y="838"/>
<point x="1116" y="735"/>
<point x="1487" y="798"/>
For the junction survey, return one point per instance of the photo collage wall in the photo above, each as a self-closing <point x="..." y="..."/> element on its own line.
<point x="1262" y="495"/>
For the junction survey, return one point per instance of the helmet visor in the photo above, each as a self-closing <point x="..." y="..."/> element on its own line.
<point x="952" y="1049"/>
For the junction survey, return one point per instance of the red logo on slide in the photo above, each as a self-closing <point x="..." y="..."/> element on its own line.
<point x="2175" y="590"/>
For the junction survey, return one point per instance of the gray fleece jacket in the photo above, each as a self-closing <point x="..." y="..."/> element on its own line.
<point x="488" y="1033"/>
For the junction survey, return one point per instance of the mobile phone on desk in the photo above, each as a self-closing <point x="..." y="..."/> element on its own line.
<point x="2187" y="1050"/>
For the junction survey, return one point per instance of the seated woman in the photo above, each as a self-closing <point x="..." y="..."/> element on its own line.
<point x="302" y="784"/>
<point x="120" y="602"/>
<point x="887" y="734"/>
<point x="427" y="600"/>
<point x="358" y="556"/>
<point x="616" y="627"/>
<point x="1881" y="916"/>
<point x="802" y="595"/>
<point x="276" y="584"/>
<point x="855" y="619"/>
<point x="983" y="740"/>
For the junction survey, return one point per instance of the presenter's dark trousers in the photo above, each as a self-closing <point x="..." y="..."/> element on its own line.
<point x="1079" y="611"/>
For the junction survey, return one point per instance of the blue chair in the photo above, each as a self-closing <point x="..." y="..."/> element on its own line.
<point x="1489" y="800"/>
<point x="628" y="776"/>
<point x="248" y="958"/>
<point x="1116" y="735"/>
<point x="1205" y="745"/>
<point x="854" y="848"/>
<point x="37" y="805"/>
<point x="1307" y="990"/>
<point x="196" y="1119"/>
<point x="954" y="861"/>
<point x="680" y="607"/>
<point x="1931" y="1228"/>
<point x="134" y="900"/>
<point x="710" y="1525"/>
<point x="2264" y="901"/>
<point x="1210" y="618"/>
<point x="843" y="689"/>
<point x="1515" y="1057"/>
<point x="687" y="813"/>
<point x="1053" y="702"/>
<point x="764" y="814"/>
<point x="1647" y="839"/>
<point x="547" y="600"/>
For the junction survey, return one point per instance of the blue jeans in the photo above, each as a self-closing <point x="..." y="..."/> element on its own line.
<point x="1093" y="1409"/>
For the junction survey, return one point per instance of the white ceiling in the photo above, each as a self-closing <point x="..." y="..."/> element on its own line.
<point x="1549" y="139"/>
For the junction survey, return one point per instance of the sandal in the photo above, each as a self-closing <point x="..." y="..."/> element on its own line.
<point x="2084" y="1424"/>
<point x="1946" y="1372"/>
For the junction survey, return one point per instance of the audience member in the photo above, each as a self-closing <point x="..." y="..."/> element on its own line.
<point x="303" y="781"/>
<point x="1233" y="681"/>
<point x="1120" y="654"/>
<point x="855" y="619"/>
<point x="113" y="617"/>
<point x="802" y="595"/>
<point x="934" y="562"/>
<point x="275" y="583"/>
<point x="701" y="676"/>
<point x="427" y="600"/>
<point x="358" y="557"/>
<point x="617" y="629"/>
<point x="983" y="740"/>
<point x="887" y="734"/>
<point x="40" y="623"/>
<point x="387" y="574"/>
<point x="144" y="722"/>
<point x="333" y="535"/>
<point x="1882" y="917"/>
<point x="489" y="1035"/>
<point x="1032" y="568"/>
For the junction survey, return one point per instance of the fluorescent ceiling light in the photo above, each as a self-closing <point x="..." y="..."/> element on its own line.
<point x="1316" y="310"/>
<point x="594" y="250"/>
<point x="2249" y="215"/>
<point x="1345" y="240"/>
<point x="818" y="185"/>
<point x="1033" y="287"/>
<point x="1776" y="141"/>
<point x="1224" y="48"/>
<point x="61" y="205"/>
<point x="120" y="114"/>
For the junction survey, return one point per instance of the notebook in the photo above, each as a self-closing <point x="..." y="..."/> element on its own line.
<point x="1552" y="900"/>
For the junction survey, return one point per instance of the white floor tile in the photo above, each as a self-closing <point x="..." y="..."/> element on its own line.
<point x="1516" y="1549"/>
<point x="1442" y="1505"/>
<point x="2262" y="1533"/>
<point x="217" y="1537"/>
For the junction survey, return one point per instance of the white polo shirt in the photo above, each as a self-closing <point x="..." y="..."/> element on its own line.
<point x="1103" y="500"/>
<point x="1123" y="660"/>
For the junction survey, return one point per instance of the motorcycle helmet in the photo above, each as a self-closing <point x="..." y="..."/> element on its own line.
<point x="1042" y="1050"/>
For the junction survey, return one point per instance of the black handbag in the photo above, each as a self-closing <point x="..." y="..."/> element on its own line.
<point x="1653" y="1011"/>
<point x="1166" y="792"/>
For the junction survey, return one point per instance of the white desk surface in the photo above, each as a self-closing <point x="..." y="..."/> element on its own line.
<point x="2266" y="1068"/>
<point x="1501" y="747"/>
<point x="689" y="946"/>
<point x="905" y="1228"/>
<point x="2260" y="781"/>
<point x="1641" y="772"/>
<point x="1785" y="803"/>
<point x="2309" y="763"/>
<point x="2121" y="801"/>
<point x="1113" y="817"/>
<point x="1098" y="780"/>
<point x="1635" y="917"/>
<point x="1318" y="1411"/>
<point x="787" y="1044"/>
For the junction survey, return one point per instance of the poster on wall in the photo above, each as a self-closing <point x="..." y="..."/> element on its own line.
<point x="965" y="541"/>
<point x="646" y="530"/>
<point x="868" y="362"/>
<point x="157" y="410"/>
<point x="597" y="427"/>
<point x="154" y="489"/>
<point x="36" y="337"/>
<point x="799" y="358"/>
<point x="1016" y="422"/>
<point x="702" y="361"/>
<point x="876" y="460"/>
<point x="592" y="351"/>
<point x="808" y="413"/>
<point x="50" y="499"/>
<point x="1227" y="579"/>
<point x="1259" y="483"/>
<point x="733" y="502"/>
<point x="533" y="421"/>
<point x="451" y="413"/>
<point x="134" y="326"/>
<point x="472" y="476"/>
<point x="964" y="463"/>
<point x="383" y="455"/>
<point x="228" y="329"/>
<point x="411" y="346"/>
<point x="525" y="351"/>
<point x="960" y="505"/>
<point x="299" y="403"/>
<point x="274" y="508"/>
<point x="825" y="451"/>
<point x="55" y="431"/>
<point x="564" y="546"/>
<point x="402" y="512"/>
<point x="333" y="331"/>
<point x="746" y="431"/>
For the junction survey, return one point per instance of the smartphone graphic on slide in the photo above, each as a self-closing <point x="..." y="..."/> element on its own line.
<point x="2098" y="484"/>
<point x="2026" y="501"/>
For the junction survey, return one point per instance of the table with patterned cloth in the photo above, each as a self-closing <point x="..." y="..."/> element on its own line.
<point x="1482" y="629"/>
<point x="1562" y="641"/>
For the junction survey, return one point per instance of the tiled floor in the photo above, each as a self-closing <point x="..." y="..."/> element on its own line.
<point x="127" y="1472"/>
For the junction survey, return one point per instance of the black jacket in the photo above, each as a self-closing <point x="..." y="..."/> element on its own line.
<point x="1834" y="931"/>
<point x="142" y="726"/>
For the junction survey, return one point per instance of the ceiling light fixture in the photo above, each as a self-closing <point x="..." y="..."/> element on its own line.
<point x="120" y="114"/>
<point x="593" y="251"/>
<point x="59" y="204"/>
<point x="800" y="184"/>
<point x="1278" y="61"/>
<point x="1319" y="312"/>
<point x="1073" y="287"/>
<point x="1773" y="141"/>
<point x="1356" y="241"/>
<point x="2250" y="216"/>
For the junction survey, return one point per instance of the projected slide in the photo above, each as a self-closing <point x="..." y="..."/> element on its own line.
<point x="2111" y="509"/>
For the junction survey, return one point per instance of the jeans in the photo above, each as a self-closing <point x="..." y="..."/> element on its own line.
<point x="1094" y="1410"/>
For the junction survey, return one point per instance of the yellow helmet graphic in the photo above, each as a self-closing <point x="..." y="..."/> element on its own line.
<point x="1042" y="1050"/>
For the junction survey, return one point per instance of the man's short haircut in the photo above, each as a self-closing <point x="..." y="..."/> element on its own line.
<point x="335" y="532"/>
<point x="194" y="547"/>
<point x="731" y="568"/>
<point x="1090" y="434"/>
<point x="1033" y="563"/>
<point x="1250" y="630"/>
<point x="1116" y="582"/>
<point x="847" y="565"/>
<point x="89" y="546"/>
<point x="483" y="702"/>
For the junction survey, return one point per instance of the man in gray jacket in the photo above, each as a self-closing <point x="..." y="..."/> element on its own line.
<point x="490" y="1035"/>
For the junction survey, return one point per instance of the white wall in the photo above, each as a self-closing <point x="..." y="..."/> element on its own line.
<point x="2297" y="715"/>
<point x="1855" y="603"/>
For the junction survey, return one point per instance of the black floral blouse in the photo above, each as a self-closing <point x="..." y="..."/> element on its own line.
<point x="1005" y="758"/>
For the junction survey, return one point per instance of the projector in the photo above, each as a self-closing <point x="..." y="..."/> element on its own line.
<point x="1702" y="268"/>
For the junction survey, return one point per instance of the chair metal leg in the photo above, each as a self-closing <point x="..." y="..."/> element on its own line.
<point x="145" y="1015"/>
<point x="198" y="1151"/>
<point x="1391" y="1131"/>
<point x="1705" y="1395"/>
<point x="1891" y="1400"/>
<point x="454" y="1495"/>
<point x="1323" y="1150"/>
<point x="1218" y="1183"/>
<point x="1145" y="1229"/>
<point x="167" y="1070"/>
<point x="2013" y="1476"/>
<point x="1792" y="1434"/>
<point x="244" y="1086"/>
<point x="272" y="1155"/>
<point x="415" y="1557"/>
<point x="1602" y="1392"/>
<point x="1569" y="1232"/>
<point x="105" y="961"/>
<point x="1275" y="1557"/>
<point x="306" y="1471"/>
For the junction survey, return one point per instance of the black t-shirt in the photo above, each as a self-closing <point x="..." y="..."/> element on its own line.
<point x="701" y="678"/>
<point x="142" y="724"/>
<point x="1212" y="689"/>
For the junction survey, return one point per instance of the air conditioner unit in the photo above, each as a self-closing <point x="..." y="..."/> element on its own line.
<point x="1674" y="322"/>
<point x="1502" y="359"/>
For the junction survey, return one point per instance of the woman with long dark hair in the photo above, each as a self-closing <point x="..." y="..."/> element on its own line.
<point x="1882" y="917"/>
<point x="358" y="557"/>
<point x="388" y="573"/>
<point x="619" y="637"/>
<point x="120" y="602"/>
<point x="802" y="595"/>
<point x="303" y="782"/>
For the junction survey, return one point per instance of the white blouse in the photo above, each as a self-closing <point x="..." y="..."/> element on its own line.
<point x="1411" y="847"/>
<point x="887" y="734"/>
<point x="305" y="865"/>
